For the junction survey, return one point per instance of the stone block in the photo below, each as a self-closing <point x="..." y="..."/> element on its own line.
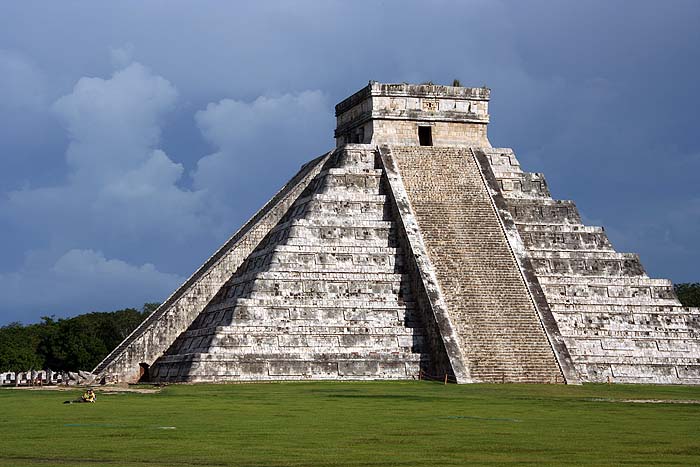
<point x="689" y="372"/>
<point x="358" y="368"/>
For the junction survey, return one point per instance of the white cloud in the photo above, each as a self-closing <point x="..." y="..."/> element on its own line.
<point x="80" y="281"/>
<point x="119" y="182"/>
<point x="253" y="137"/>
<point x="86" y="264"/>
<point x="121" y="196"/>
<point x="114" y="123"/>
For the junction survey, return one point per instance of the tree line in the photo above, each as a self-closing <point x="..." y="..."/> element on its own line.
<point x="688" y="293"/>
<point x="67" y="344"/>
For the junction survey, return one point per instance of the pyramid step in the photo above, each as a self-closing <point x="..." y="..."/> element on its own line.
<point x="583" y="263"/>
<point x="342" y="302"/>
<point x="544" y="211"/>
<point x="339" y="204"/>
<point x="555" y="299"/>
<point x="379" y="356"/>
<point x="558" y="240"/>
<point x="374" y="234"/>
<point x="624" y="309"/>
<point x="316" y="290"/>
<point x="354" y="224"/>
<point x="321" y="255"/>
<point x="353" y="170"/>
<point x="342" y="197"/>
<point x="332" y="229"/>
<point x="656" y="349"/>
<point x="613" y="358"/>
<point x="310" y="264"/>
<point x="391" y="320"/>
<point x="355" y="155"/>
<point x="607" y="289"/>
<point x="338" y="249"/>
<point x="285" y="368"/>
<point x="565" y="228"/>
<point x="343" y="240"/>
<point x="582" y="254"/>
<point x="551" y="250"/>
<point x="604" y="281"/>
<point x="349" y="181"/>
<point x="622" y="321"/>
<point x="309" y="276"/>
<point x="631" y="333"/>
<point x="386" y="315"/>
<point x="502" y="159"/>
<point x="335" y="213"/>
<point x="523" y="185"/>
<point x="508" y="173"/>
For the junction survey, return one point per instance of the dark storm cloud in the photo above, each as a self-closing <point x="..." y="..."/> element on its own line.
<point x="136" y="136"/>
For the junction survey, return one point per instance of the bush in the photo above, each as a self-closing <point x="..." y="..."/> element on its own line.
<point x="77" y="343"/>
<point x="688" y="293"/>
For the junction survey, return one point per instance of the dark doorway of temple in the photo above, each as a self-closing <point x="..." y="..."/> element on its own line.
<point x="144" y="373"/>
<point x="425" y="136"/>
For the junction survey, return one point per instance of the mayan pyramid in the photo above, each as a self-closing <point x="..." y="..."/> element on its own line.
<point x="413" y="249"/>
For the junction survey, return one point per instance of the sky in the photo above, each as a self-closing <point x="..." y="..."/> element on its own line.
<point x="136" y="137"/>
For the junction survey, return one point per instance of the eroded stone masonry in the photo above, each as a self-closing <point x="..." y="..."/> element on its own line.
<point x="415" y="248"/>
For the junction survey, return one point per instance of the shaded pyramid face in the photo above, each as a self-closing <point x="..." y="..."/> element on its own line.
<point x="324" y="295"/>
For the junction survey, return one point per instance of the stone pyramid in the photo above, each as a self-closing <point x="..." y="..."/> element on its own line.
<point x="415" y="249"/>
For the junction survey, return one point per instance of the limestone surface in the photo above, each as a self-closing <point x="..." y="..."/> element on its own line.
<point x="618" y="324"/>
<point x="415" y="249"/>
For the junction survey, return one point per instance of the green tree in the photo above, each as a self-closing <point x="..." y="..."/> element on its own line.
<point x="70" y="344"/>
<point x="688" y="293"/>
<point x="18" y="348"/>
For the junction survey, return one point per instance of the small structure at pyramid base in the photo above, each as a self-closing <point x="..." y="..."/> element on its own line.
<point x="415" y="249"/>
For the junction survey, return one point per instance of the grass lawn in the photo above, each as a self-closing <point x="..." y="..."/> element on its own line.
<point x="354" y="424"/>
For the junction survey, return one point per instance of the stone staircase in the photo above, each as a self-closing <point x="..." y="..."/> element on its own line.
<point x="500" y="335"/>
<point x="325" y="294"/>
<point x="618" y="324"/>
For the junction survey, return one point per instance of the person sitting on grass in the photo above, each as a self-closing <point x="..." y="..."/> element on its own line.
<point x="88" y="396"/>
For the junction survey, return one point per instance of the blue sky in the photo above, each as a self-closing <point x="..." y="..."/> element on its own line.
<point x="135" y="137"/>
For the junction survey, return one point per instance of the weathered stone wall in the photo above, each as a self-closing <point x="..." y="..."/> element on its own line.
<point x="151" y="339"/>
<point x="33" y="378"/>
<point x="405" y="133"/>
<point x="618" y="324"/>
<point x="500" y="334"/>
<point x="325" y="295"/>
<point x="390" y="114"/>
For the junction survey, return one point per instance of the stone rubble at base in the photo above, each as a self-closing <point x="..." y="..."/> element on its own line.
<point x="47" y="378"/>
<point x="416" y="249"/>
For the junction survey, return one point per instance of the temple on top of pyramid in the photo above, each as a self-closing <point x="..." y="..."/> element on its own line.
<point x="410" y="114"/>
<point x="415" y="250"/>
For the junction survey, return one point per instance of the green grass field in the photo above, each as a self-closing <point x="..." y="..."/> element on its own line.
<point x="354" y="424"/>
